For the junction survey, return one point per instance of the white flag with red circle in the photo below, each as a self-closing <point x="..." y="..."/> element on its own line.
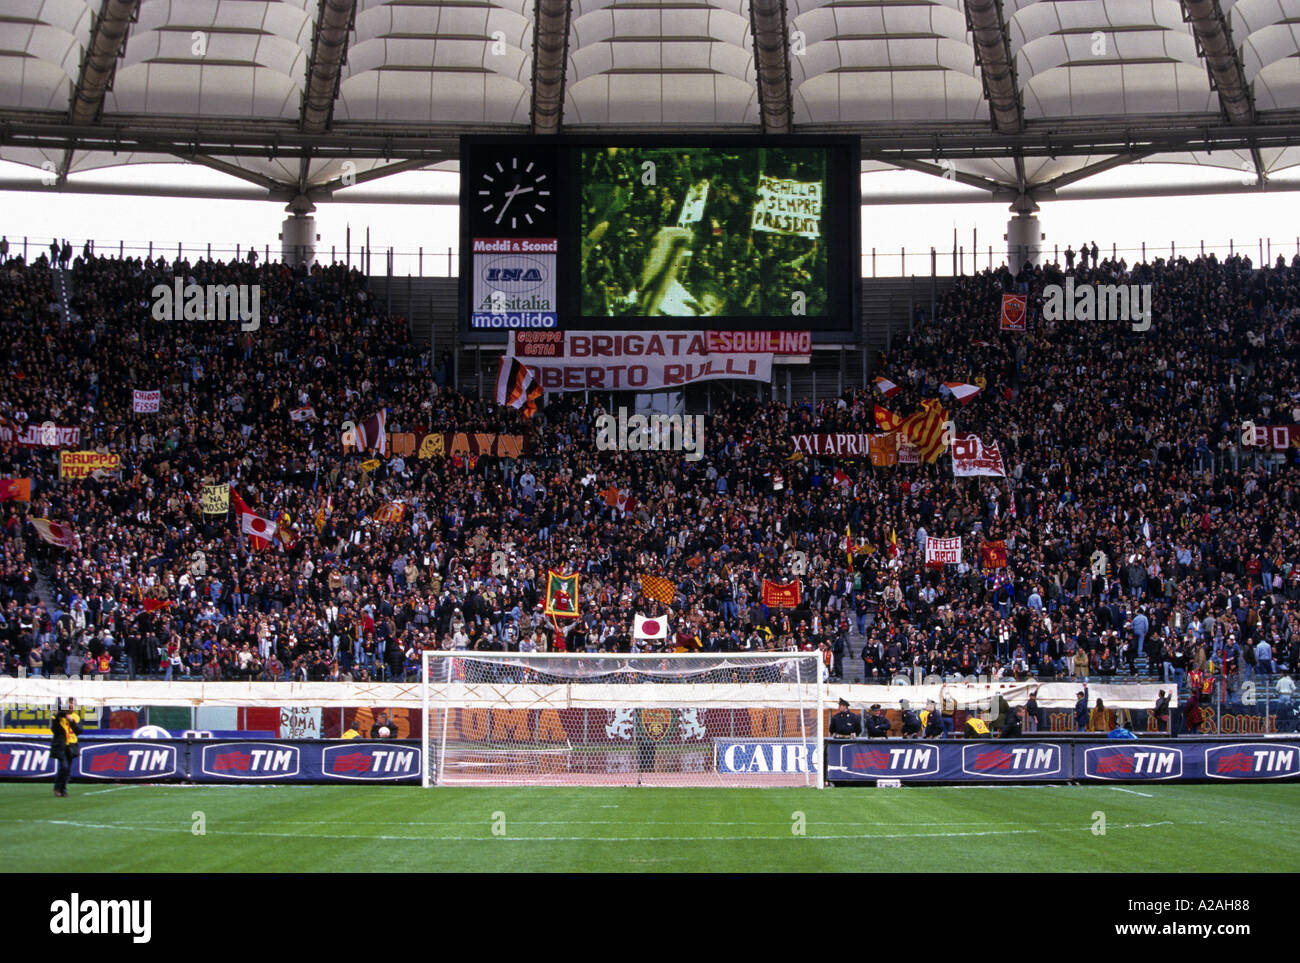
<point x="650" y="628"/>
<point x="257" y="526"/>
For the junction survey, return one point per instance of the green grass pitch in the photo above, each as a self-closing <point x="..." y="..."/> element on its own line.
<point x="1253" y="828"/>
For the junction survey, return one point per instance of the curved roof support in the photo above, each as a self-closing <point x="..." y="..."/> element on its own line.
<point x="108" y="35"/>
<point x="772" y="60"/>
<point x="329" y="52"/>
<point x="992" y="45"/>
<point x="1214" y="37"/>
<point x="550" y="55"/>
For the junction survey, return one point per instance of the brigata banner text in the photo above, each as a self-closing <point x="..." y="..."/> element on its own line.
<point x="590" y="360"/>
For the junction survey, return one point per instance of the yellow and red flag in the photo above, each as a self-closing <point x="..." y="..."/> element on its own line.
<point x="925" y="429"/>
<point x="658" y="588"/>
<point x="783" y="595"/>
<point x="886" y="420"/>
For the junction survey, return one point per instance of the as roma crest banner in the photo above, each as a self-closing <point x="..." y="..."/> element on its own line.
<point x="561" y="595"/>
<point x="655" y="723"/>
<point x="1013" y="312"/>
<point x="781" y="595"/>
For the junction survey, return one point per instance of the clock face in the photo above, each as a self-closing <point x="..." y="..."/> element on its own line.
<point x="511" y="192"/>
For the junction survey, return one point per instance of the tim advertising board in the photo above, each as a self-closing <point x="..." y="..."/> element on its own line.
<point x="1134" y="761"/>
<point x="129" y="760"/>
<point x="250" y="761"/>
<point x="882" y="761"/>
<point x="748" y="756"/>
<point x="1012" y="761"/>
<point x="371" y="762"/>
<point x="26" y="760"/>
<point x="1252" y="760"/>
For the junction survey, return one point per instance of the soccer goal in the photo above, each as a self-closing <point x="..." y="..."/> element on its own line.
<point x="557" y="719"/>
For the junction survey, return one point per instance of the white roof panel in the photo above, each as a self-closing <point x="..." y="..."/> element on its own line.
<point x="853" y="65"/>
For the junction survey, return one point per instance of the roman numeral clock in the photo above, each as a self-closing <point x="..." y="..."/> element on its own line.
<point x="509" y="202"/>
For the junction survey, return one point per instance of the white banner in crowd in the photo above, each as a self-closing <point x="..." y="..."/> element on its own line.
<point x="943" y="551"/>
<point x="970" y="457"/>
<point x="592" y="360"/>
<point x="145" y="402"/>
<point x="300" y="722"/>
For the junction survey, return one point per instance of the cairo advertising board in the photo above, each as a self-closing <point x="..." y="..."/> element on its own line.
<point x="768" y="756"/>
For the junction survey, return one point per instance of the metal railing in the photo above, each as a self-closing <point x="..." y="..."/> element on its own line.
<point x="1245" y="705"/>
<point x="877" y="261"/>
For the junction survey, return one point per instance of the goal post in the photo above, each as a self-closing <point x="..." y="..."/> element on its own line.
<point x="573" y="719"/>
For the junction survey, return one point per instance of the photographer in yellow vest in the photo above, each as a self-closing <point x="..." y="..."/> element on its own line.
<point x="63" y="746"/>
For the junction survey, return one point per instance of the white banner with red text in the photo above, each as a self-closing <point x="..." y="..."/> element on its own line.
<point x="595" y="361"/>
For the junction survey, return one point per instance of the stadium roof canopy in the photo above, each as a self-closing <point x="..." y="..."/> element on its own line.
<point x="1019" y="97"/>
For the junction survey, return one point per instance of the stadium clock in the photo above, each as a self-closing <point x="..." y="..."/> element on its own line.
<point x="512" y="192"/>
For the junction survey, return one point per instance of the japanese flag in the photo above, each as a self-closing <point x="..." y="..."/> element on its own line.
<point x="257" y="526"/>
<point x="647" y="628"/>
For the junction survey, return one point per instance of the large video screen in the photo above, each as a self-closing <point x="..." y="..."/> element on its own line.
<point x="640" y="233"/>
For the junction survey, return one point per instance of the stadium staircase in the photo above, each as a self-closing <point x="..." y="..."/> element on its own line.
<point x="61" y="280"/>
<point x="428" y="304"/>
<point x="890" y="304"/>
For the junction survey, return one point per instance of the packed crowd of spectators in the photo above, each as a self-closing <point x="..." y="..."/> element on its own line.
<point x="1136" y="523"/>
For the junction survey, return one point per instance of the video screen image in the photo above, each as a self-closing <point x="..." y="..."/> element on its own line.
<point x="707" y="231"/>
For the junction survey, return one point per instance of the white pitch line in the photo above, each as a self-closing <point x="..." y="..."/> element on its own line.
<point x="98" y="792"/>
<point x="592" y="839"/>
<point x="1133" y="792"/>
<point x="834" y="824"/>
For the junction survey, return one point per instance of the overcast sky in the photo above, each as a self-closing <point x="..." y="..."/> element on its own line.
<point x="134" y="221"/>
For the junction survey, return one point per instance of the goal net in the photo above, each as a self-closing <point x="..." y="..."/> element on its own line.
<point x="555" y="719"/>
